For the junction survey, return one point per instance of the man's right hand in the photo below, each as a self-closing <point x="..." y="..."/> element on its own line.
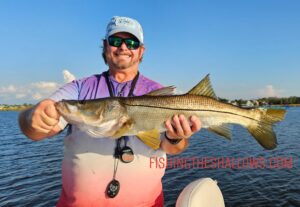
<point x="41" y="121"/>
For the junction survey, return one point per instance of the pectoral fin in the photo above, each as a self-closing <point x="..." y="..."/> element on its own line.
<point x="150" y="138"/>
<point x="94" y="132"/>
<point x="222" y="130"/>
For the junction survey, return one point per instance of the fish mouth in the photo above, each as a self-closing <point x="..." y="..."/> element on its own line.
<point x="62" y="108"/>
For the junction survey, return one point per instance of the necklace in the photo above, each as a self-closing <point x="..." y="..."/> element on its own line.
<point x="125" y="153"/>
<point x="110" y="86"/>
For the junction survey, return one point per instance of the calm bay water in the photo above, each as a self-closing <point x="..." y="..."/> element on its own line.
<point x="30" y="171"/>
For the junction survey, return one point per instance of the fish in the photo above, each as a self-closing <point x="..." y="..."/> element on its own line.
<point x="145" y="116"/>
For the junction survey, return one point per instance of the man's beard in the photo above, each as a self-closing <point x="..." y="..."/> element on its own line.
<point x="120" y="64"/>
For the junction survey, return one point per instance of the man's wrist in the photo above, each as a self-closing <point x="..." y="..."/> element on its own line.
<point x="172" y="141"/>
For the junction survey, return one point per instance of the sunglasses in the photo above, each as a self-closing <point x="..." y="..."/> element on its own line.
<point x="131" y="43"/>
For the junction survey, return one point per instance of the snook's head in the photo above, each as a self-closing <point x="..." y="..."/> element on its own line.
<point x="104" y="115"/>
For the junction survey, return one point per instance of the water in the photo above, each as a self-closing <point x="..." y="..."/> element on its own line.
<point x="30" y="171"/>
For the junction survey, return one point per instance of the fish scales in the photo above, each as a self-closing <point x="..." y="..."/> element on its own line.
<point x="186" y="103"/>
<point x="163" y="108"/>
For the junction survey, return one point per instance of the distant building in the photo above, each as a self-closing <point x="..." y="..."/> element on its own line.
<point x="234" y="103"/>
<point x="248" y="104"/>
<point x="255" y="103"/>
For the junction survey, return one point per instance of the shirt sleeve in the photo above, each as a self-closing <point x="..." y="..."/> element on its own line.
<point x="69" y="91"/>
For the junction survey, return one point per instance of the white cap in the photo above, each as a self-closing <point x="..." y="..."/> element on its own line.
<point x="125" y="24"/>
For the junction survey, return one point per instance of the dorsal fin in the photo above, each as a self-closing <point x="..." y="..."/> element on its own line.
<point x="203" y="88"/>
<point x="169" y="90"/>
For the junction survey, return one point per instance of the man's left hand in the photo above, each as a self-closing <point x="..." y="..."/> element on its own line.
<point x="180" y="128"/>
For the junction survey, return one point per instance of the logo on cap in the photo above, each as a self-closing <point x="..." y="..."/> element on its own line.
<point x="125" y="24"/>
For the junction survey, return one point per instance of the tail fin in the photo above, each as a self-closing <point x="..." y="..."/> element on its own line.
<point x="262" y="130"/>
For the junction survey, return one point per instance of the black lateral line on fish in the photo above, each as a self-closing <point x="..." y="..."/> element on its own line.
<point x="160" y="107"/>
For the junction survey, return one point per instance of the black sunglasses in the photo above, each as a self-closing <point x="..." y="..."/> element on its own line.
<point x="131" y="43"/>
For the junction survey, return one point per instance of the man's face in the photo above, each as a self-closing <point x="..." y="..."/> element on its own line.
<point x="121" y="57"/>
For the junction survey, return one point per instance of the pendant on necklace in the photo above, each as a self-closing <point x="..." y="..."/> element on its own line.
<point x="113" y="188"/>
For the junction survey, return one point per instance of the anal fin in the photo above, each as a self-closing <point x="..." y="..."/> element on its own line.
<point x="150" y="138"/>
<point x="222" y="130"/>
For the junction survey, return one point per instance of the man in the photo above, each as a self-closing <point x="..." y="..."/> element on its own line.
<point x="92" y="173"/>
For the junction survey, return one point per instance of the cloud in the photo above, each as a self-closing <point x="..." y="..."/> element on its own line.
<point x="49" y="86"/>
<point x="68" y="77"/>
<point x="40" y="90"/>
<point x="32" y="92"/>
<point x="7" y="89"/>
<point x="270" y="91"/>
<point x="20" y="95"/>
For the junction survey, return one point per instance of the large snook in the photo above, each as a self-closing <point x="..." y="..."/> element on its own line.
<point x="144" y="116"/>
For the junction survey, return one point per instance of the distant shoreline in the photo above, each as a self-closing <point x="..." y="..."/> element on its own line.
<point x="15" y="108"/>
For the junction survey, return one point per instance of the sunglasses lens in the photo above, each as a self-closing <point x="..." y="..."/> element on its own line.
<point x="115" y="41"/>
<point x="131" y="43"/>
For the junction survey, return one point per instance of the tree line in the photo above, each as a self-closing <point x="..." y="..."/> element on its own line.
<point x="281" y="101"/>
<point x="14" y="107"/>
<point x="266" y="101"/>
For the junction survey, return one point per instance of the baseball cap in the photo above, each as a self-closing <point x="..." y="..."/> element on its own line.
<point x="125" y="24"/>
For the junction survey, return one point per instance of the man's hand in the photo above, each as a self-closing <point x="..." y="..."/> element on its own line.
<point x="180" y="128"/>
<point x="44" y="117"/>
<point x="40" y="121"/>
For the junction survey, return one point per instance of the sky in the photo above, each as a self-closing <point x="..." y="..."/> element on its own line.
<point x="250" y="48"/>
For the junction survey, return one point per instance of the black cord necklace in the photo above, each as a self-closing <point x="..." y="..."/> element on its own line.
<point x="110" y="87"/>
<point x="125" y="153"/>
